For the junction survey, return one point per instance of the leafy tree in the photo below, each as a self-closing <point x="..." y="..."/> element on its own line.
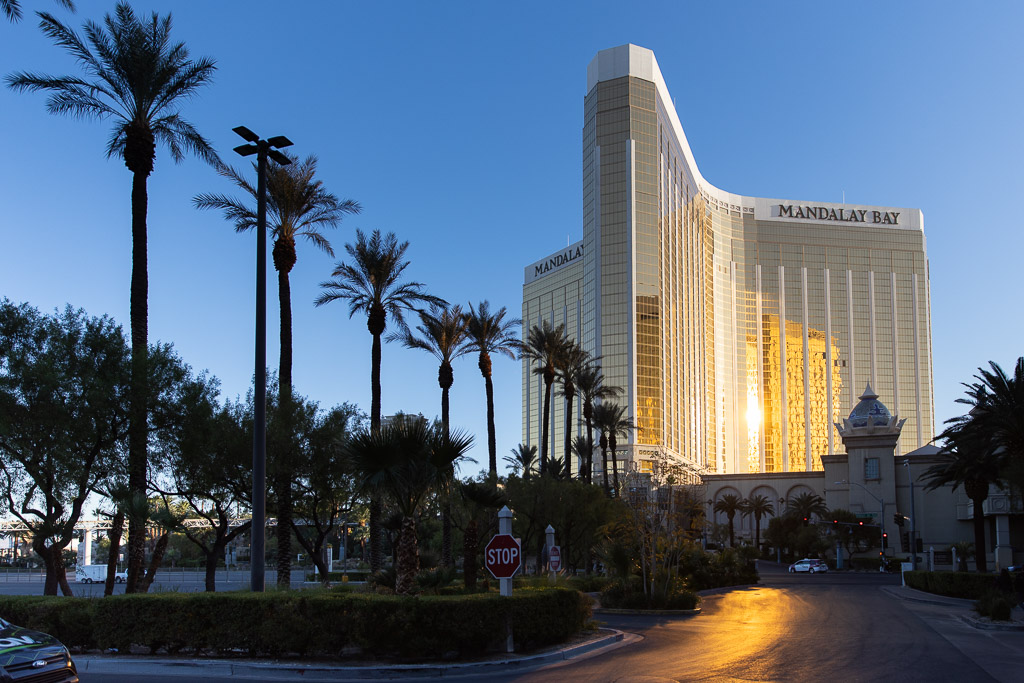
<point x="371" y="284"/>
<point x="326" y="488"/>
<point x="851" y="534"/>
<point x="63" y="418"/>
<point x="545" y="344"/>
<point x="298" y="206"/>
<point x="578" y="512"/>
<point x="404" y="461"/>
<point x="591" y="387"/>
<point x="613" y="422"/>
<point x="582" y="448"/>
<point x="206" y="459"/>
<point x="757" y="507"/>
<point x="490" y="333"/>
<point x="729" y="505"/>
<point x="136" y="75"/>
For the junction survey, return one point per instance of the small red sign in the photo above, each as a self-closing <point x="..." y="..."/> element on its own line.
<point x="555" y="558"/>
<point x="502" y="556"/>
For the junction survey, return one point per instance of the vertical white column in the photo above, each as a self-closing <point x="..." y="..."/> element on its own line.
<point x="917" y="363"/>
<point x="808" y="457"/>
<point x="849" y="333"/>
<point x="784" y="402"/>
<point x="828" y="362"/>
<point x="631" y="323"/>
<point x="738" y="449"/>
<point x="760" y="370"/>
<point x="87" y="539"/>
<point x="871" y="325"/>
<point x="895" y="347"/>
<point x="528" y="371"/>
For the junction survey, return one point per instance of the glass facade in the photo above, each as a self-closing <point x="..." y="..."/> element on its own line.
<point x="739" y="328"/>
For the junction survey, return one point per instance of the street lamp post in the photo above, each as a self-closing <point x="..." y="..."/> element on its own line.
<point x="913" y="519"/>
<point x="257" y="544"/>
<point x="881" y="515"/>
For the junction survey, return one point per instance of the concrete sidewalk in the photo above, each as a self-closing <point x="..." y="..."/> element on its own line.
<point x="606" y="639"/>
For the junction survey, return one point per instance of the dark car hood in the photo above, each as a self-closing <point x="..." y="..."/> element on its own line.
<point x="20" y="645"/>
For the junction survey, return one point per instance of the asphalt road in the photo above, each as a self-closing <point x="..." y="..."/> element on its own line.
<point x="822" y="627"/>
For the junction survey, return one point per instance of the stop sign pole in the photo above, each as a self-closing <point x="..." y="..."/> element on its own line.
<point x="505" y="527"/>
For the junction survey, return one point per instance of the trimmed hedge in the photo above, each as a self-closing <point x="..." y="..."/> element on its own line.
<point x="306" y="622"/>
<point x="966" y="585"/>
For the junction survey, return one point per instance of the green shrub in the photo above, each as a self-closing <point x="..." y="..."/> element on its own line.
<point x="621" y="594"/>
<point x="305" y="622"/>
<point x="996" y="605"/>
<point x="965" y="585"/>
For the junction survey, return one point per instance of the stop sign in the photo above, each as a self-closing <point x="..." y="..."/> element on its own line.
<point x="502" y="556"/>
<point x="555" y="558"/>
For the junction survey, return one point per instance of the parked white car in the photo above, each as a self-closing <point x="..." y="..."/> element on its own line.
<point x="97" y="573"/>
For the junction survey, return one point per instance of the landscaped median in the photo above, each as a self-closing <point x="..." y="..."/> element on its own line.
<point x="305" y="623"/>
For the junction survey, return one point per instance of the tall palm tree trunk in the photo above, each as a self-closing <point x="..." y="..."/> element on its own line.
<point x="139" y="317"/>
<point x="588" y="472"/>
<point x="376" y="545"/>
<point x="568" y="434"/>
<point x="604" y="462"/>
<point x="545" y="426"/>
<point x="283" y="479"/>
<point x="492" y="443"/>
<point x="114" y="534"/>
<point x="977" y="492"/>
<point x="615" y="463"/>
<point x="445" y="380"/>
<point x="407" y="558"/>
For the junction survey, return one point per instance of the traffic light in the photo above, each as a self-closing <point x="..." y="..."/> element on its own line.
<point x="899" y="519"/>
<point x="805" y="521"/>
<point x="860" y="523"/>
<point x="885" y="541"/>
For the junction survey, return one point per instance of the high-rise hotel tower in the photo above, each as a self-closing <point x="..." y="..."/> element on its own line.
<point x="740" y="329"/>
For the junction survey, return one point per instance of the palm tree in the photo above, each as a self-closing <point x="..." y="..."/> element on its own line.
<point x="442" y="333"/>
<point x="299" y="207"/>
<point x="970" y="458"/>
<point x="490" y="333"/>
<point x="404" y="462"/>
<point x="545" y="345"/>
<point x="522" y="459"/>
<point x="591" y="387"/>
<point x="370" y="285"/>
<point x="613" y="422"/>
<point x="805" y="505"/>
<point x="582" y="448"/>
<point x="573" y="362"/>
<point x="757" y="506"/>
<point x="729" y="505"/>
<point x="12" y="8"/>
<point x="137" y="76"/>
<point x="996" y="403"/>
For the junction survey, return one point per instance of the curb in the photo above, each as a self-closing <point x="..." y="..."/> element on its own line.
<point x="990" y="625"/>
<point x="94" y="664"/>
<point x="650" y="612"/>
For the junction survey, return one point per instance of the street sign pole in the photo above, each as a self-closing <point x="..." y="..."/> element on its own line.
<point x="505" y="527"/>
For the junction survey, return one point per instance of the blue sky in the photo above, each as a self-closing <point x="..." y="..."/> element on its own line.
<point x="458" y="126"/>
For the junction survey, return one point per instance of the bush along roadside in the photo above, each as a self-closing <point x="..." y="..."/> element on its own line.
<point x="307" y="623"/>
<point x="967" y="585"/>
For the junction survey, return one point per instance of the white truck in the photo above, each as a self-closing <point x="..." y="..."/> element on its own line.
<point x="96" y="573"/>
